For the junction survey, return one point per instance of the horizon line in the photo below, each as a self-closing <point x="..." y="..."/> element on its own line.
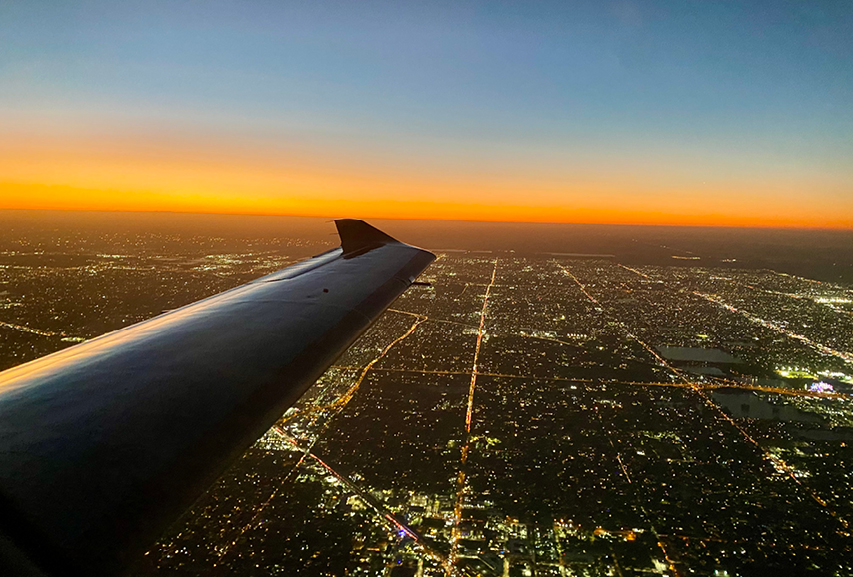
<point x="803" y="227"/>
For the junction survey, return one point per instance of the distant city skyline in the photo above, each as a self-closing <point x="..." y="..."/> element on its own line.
<point x="631" y="112"/>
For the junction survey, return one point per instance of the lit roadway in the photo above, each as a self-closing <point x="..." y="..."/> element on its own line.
<point x="460" y="480"/>
<point x="378" y="507"/>
<point x="773" y="326"/>
<point x="691" y="385"/>
<point x="776" y="462"/>
<point x="330" y="411"/>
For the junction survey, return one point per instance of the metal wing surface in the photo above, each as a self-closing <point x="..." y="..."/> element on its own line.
<point x="103" y="444"/>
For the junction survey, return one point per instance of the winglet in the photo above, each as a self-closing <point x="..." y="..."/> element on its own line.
<point x="357" y="235"/>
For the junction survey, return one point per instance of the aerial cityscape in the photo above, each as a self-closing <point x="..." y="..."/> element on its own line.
<point x="515" y="415"/>
<point x="572" y="290"/>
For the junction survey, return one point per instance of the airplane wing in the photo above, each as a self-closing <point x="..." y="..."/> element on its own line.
<point x="103" y="444"/>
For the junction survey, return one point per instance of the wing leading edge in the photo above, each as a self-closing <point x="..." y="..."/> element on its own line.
<point x="103" y="444"/>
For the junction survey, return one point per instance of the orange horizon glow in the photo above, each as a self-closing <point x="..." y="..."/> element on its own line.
<point x="105" y="201"/>
<point x="163" y="175"/>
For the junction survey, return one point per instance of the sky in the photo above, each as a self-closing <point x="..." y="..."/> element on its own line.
<point x="688" y="112"/>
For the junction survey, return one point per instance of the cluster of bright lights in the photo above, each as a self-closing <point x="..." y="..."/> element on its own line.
<point x="821" y="387"/>
<point x="796" y="373"/>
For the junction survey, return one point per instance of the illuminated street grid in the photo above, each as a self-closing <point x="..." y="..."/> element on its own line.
<point x="520" y="416"/>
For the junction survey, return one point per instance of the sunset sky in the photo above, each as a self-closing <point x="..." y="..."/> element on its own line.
<point x="691" y="112"/>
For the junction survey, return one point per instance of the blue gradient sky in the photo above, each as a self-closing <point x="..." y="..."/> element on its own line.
<point x="549" y="104"/>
